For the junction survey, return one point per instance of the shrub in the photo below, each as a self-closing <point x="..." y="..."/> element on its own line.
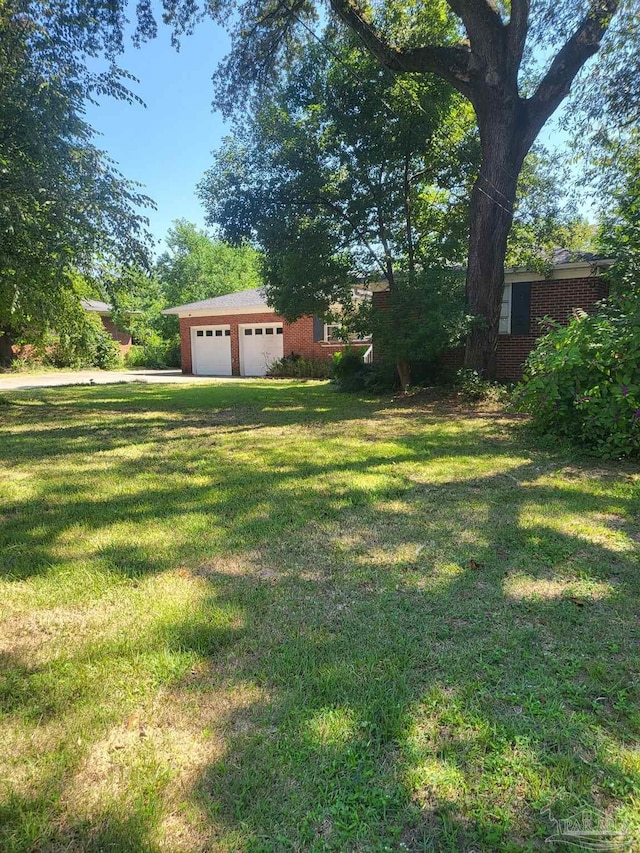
<point x="472" y="385"/>
<point x="419" y="319"/>
<point x="379" y="378"/>
<point x="83" y="343"/>
<point x="107" y="353"/>
<point x="347" y="369"/>
<point x="351" y="374"/>
<point x="25" y="362"/>
<point x="296" y="367"/>
<point x="157" y="354"/>
<point x="582" y="382"/>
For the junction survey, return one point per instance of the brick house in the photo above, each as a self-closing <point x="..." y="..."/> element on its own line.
<point x="103" y="310"/>
<point x="575" y="281"/>
<point x="238" y="334"/>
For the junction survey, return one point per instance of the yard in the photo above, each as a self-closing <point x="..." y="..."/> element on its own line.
<point x="269" y="617"/>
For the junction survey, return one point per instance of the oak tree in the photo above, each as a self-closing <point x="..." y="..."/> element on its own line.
<point x="489" y="59"/>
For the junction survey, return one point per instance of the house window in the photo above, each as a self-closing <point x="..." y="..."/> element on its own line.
<point x="505" y="312"/>
<point x="515" y="313"/>
<point x="333" y="335"/>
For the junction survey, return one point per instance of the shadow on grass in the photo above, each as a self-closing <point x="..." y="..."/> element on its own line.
<point x="446" y="721"/>
<point x="442" y="660"/>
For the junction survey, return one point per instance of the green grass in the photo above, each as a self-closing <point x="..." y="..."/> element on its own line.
<point x="268" y="617"/>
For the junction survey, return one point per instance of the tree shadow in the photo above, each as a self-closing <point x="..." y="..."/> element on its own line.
<point x="440" y="655"/>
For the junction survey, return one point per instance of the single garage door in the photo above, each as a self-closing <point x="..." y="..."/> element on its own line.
<point x="211" y="350"/>
<point x="259" y="346"/>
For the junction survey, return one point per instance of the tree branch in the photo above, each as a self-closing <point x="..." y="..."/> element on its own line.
<point x="481" y="18"/>
<point x="330" y="205"/>
<point x="517" y="30"/>
<point x="583" y="44"/>
<point x="451" y="63"/>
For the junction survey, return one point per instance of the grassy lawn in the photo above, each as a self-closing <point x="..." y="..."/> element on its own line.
<point x="268" y="617"/>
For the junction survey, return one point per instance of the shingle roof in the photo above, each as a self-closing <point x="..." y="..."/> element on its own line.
<point x="567" y="256"/>
<point x="96" y="305"/>
<point x="253" y="298"/>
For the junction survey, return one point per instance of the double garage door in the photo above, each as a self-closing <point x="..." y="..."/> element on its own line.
<point x="260" y="344"/>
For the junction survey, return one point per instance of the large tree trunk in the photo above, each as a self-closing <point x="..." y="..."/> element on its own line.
<point x="7" y="354"/>
<point x="491" y="215"/>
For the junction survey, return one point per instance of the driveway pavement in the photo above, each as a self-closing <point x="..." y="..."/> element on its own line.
<point x="102" y="377"/>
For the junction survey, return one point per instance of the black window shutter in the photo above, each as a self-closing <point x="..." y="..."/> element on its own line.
<point x="318" y="329"/>
<point x="521" y="308"/>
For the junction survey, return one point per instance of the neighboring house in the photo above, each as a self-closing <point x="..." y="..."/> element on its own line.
<point x="574" y="281"/>
<point x="103" y="309"/>
<point x="238" y="334"/>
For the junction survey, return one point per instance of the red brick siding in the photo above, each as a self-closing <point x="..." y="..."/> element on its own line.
<point x="123" y="338"/>
<point x="555" y="299"/>
<point x="559" y="298"/>
<point x="453" y="359"/>
<point x="297" y="337"/>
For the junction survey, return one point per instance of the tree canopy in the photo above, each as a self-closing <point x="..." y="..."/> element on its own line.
<point x="342" y="174"/>
<point x="196" y="266"/>
<point x="334" y="186"/>
<point x="64" y="207"/>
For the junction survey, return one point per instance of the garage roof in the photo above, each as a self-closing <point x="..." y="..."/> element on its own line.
<point x="253" y="298"/>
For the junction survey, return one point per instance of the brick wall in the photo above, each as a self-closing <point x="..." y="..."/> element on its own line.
<point x="123" y="338"/>
<point x="296" y="337"/>
<point x="555" y="299"/>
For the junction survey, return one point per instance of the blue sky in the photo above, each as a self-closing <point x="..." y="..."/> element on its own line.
<point x="167" y="146"/>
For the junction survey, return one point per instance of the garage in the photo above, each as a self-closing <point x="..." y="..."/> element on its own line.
<point x="211" y="350"/>
<point x="260" y="345"/>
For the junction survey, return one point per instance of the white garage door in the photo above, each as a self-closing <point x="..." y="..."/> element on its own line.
<point x="211" y="350"/>
<point x="259" y="346"/>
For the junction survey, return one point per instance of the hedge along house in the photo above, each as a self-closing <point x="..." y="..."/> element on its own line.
<point x="104" y="310"/>
<point x="575" y="281"/>
<point x="238" y="334"/>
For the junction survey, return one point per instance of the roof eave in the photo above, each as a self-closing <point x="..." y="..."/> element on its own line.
<point x="571" y="265"/>
<point x="187" y="311"/>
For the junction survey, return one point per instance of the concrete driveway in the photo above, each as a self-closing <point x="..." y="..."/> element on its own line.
<point x="10" y="381"/>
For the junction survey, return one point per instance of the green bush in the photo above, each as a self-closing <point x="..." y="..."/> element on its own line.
<point x="351" y="374"/>
<point x="347" y="369"/>
<point x="155" y="355"/>
<point x="83" y="343"/>
<point x="379" y="378"/>
<point x="582" y="382"/>
<point x="107" y="353"/>
<point x="472" y="385"/>
<point x="296" y="367"/>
